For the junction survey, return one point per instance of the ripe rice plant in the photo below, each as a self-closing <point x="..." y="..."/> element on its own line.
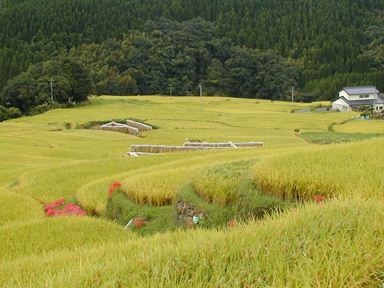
<point x="156" y="188"/>
<point x="220" y="184"/>
<point x="361" y="126"/>
<point x="343" y="171"/>
<point x="14" y="207"/>
<point x="43" y="161"/>
<point x="38" y="237"/>
<point x="317" y="246"/>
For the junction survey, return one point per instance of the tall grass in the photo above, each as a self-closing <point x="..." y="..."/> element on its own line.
<point x="318" y="246"/>
<point x="14" y="207"/>
<point x="343" y="171"/>
<point x="361" y="126"/>
<point x="156" y="188"/>
<point x="221" y="183"/>
<point x="38" y="237"/>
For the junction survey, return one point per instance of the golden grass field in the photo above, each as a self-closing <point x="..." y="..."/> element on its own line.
<point x="335" y="244"/>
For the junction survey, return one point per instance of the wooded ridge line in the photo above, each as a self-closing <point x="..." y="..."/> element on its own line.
<point x="249" y="48"/>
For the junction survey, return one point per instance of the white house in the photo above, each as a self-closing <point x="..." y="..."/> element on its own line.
<point x="352" y="98"/>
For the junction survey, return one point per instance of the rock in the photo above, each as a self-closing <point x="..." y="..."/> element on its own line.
<point x="180" y="205"/>
<point x="189" y="212"/>
<point x="189" y="215"/>
<point x="188" y="222"/>
<point x="186" y="206"/>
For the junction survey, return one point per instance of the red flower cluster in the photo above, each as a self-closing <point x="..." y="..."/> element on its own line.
<point x="57" y="208"/>
<point x="113" y="187"/>
<point x="138" y="222"/>
<point x="319" y="198"/>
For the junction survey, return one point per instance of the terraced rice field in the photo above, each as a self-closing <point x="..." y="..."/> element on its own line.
<point x="45" y="158"/>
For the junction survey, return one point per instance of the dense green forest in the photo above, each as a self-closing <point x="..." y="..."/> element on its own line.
<point x="244" y="48"/>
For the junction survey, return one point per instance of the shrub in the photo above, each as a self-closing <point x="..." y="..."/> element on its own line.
<point x="39" y="109"/>
<point x="68" y="125"/>
<point x="9" y="113"/>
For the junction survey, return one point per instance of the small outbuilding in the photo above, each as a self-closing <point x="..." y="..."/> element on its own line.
<point x="354" y="98"/>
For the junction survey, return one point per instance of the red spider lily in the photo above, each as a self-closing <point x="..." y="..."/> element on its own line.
<point x="319" y="198"/>
<point x="56" y="208"/>
<point x="50" y="212"/>
<point x="54" y="204"/>
<point x="72" y="209"/>
<point x="113" y="187"/>
<point x="138" y="222"/>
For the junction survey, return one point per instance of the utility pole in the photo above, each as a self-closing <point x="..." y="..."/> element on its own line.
<point x="201" y="95"/>
<point x="51" y="84"/>
<point x="293" y="93"/>
<point x="170" y="90"/>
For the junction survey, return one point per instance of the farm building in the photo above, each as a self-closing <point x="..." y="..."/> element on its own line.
<point x="353" y="98"/>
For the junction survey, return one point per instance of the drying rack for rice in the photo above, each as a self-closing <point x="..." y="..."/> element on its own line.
<point x="141" y="150"/>
<point x="131" y="127"/>
<point x="114" y="126"/>
<point x="139" y="125"/>
<point x="224" y="144"/>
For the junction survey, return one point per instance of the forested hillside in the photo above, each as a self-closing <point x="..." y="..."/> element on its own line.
<point x="245" y="48"/>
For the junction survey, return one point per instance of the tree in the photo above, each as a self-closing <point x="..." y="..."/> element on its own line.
<point x="78" y="80"/>
<point x="21" y="93"/>
<point x="30" y="89"/>
<point x="214" y="83"/>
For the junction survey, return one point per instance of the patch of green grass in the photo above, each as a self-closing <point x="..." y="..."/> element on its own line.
<point x="253" y="206"/>
<point x="121" y="210"/>
<point x="229" y="185"/>
<point x="225" y="192"/>
<point x="324" y="138"/>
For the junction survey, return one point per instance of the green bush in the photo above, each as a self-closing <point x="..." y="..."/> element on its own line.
<point x="9" y="113"/>
<point x="39" y="109"/>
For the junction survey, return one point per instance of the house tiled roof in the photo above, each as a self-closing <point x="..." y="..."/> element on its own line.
<point x="362" y="102"/>
<point x="361" y="90"/>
